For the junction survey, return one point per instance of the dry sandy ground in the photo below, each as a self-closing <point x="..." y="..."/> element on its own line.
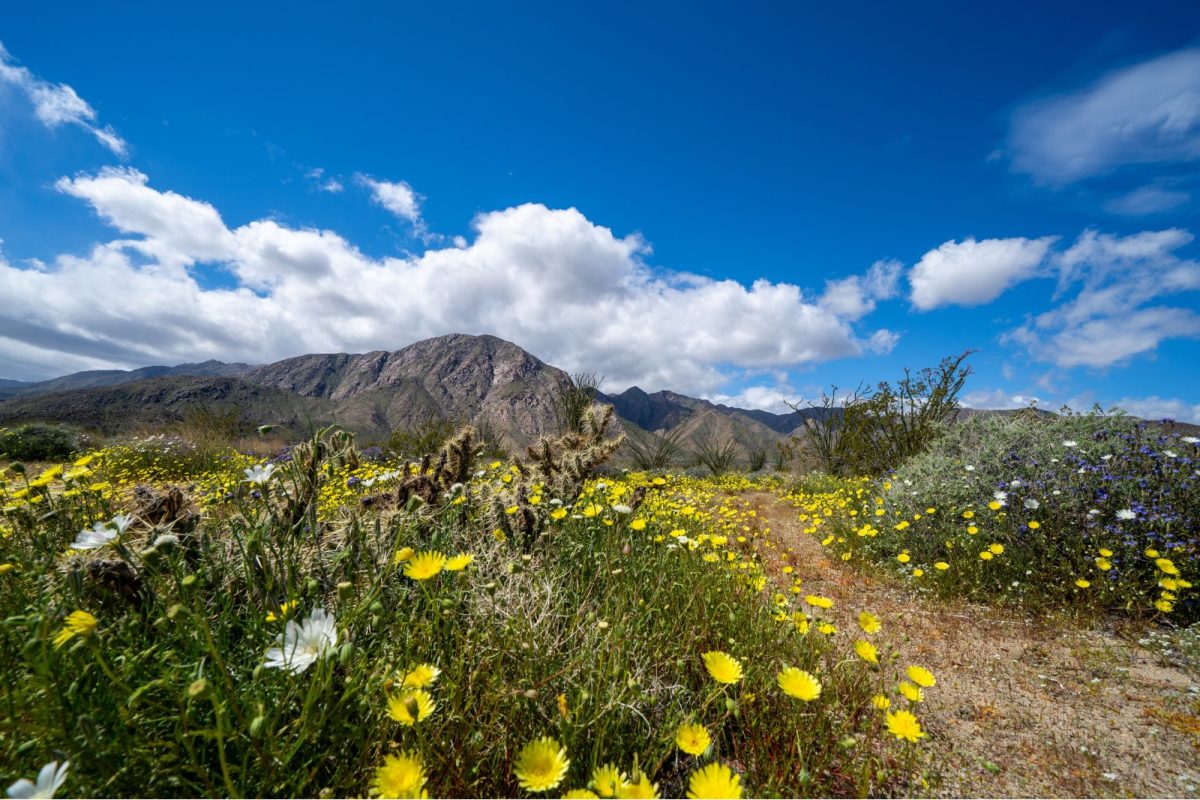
<point x="1020" y="708"/>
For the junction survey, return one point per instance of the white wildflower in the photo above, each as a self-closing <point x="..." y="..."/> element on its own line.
<point x="49" y="780"/>
<point x="302" y="644"/>
<point x="259" y="473"/>
<point x="1126" y="513"/>
<point x="1070" y="443"/>
<point x="1031" y="504"/>
<point x="99" y="535"/>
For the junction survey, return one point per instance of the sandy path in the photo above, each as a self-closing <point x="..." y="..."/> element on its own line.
<point x="1020" y="709"/>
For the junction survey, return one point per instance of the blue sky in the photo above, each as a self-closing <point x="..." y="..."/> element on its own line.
<point x="741" y="203"/>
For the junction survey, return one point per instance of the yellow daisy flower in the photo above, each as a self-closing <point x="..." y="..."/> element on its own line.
<point x="799" y="684"/>
<point x="541" y="765"/>
<point x="723" y="667"/>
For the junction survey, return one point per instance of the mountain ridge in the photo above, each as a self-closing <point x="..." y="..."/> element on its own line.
<point x="457" y="378"/>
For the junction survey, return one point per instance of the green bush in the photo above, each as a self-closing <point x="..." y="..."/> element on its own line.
<point x="873" y="431"/>
<point x="41" y="442"/>
<point x="420" y="438"/>
<point x="1090" y="512"/>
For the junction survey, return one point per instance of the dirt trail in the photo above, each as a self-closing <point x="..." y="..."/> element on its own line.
<point x="1020" y="709"/>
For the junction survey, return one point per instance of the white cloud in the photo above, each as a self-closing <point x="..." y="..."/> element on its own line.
<point x="1151" y="408"/>
<point x="396" y="196"/>
<point x="999" y="399"/>
<point x="57" y="104"/>
<point x="1146" y="200"/>
<point x="1148" y="113"/>
<point x="1108" y="320"/>
<point x="971" y="272"/>
<point x="856" y="296"/>
<point x="1156" y="408"/>
<point x="332" y="185"/>
<point x="764" y="398"/>
<point x="175" y="230"/>
<point x="552" y="281"/>
<point x="1109" y="340"/>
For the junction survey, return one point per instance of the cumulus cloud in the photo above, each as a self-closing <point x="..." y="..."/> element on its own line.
<point x="396" y="196"/>
<point x="567" y="289"/>
<point x="175" y="230"/>
<point x="1152" y="407"/>
<point x="971" y="273"/>
<point x="1146" y="200"/>
<point x="1108" y="320"/>
<point x="763" y="398"/>
<point x="1148" y="113"/>
<point x="856" y="296"/>
<point x="1156" y="408"/>
<point x="57" y="104"/>
<point x="998" y="399"/>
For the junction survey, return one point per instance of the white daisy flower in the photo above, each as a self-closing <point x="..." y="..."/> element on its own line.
<point x="259" y="473"/>
<point x="49" y="780"/>
<point x="1126" y="513"/>
<point x="99" y="535"/>
<point x="1190" y="440"/>
<point x="1032" y="504"/>
<point x="302" y="644"/>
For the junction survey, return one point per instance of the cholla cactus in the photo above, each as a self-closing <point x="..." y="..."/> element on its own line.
<point x="432" y="479"/>
<point x="557" y="467"/>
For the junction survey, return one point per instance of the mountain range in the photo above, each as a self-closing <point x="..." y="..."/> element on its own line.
<point x="457" y="378"/>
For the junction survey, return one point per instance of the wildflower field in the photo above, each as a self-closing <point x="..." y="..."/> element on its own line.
<point x="179" y="622"/>
<point x="1082" y="514"/>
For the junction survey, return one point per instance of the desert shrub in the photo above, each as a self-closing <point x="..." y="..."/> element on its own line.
<point x="716" y="455"/>
<point x="783" y="455"/>
<point x="652" y="451"/>
<point x="420" y="438"/>
<point x="1093" y="512"/>
<point x="41" y="442"/>
<point x="573" y="398"/>
<point x="490" y="439"/>
<point x="756" y="458"/>
<point x="873" y="431"/>
<point x="213" y="426"/>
